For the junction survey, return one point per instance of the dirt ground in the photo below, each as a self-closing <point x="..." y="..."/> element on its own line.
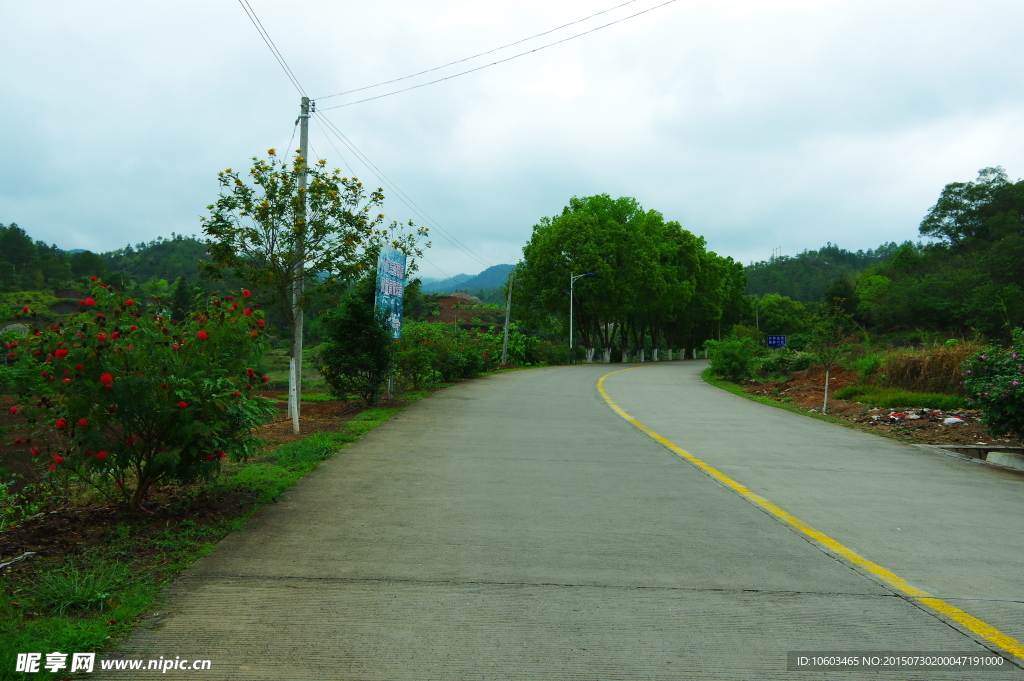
<point x="916" y="423"/>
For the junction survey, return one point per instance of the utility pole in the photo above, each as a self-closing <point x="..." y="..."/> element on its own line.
<point x="508" y="309"/>
<point x="295" y="368"/>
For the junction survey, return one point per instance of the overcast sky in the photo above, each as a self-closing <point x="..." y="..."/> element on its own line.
<point x="756" y="123"/>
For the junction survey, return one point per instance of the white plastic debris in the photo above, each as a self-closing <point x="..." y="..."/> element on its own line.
<point x="952" y="421"/>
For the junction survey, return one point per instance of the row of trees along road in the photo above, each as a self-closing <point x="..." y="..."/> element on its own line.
<point x="655" y="286"/>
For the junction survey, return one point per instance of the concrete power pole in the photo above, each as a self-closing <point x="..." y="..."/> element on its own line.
<point x="508" y="309"/>
<point x="295" y="368"/>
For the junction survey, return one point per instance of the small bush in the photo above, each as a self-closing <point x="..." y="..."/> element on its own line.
<point x="994" y="378"/>
<point x="777" y="363"/>
<point x="359" y="351"/>
<point x="733" y="359"/>
<point x="803" y="361"/>
<point x="866" y="366"/>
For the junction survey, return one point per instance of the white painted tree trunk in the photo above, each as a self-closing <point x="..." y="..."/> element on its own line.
<point x="641" y="354"/>
<point x="654" y="355"/>
<point x="590" y="355"/>
<point x="625" y="358"/>
<point x="824" y="407"/>
<point x="607" y="355"/>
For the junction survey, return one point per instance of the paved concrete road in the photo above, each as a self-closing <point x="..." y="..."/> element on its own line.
<point x="515" y="527"/>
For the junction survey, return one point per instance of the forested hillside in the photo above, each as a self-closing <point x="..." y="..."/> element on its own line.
<point x="807" y="275"/>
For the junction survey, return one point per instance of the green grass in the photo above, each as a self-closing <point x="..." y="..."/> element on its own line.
<point x="877" y="396"/>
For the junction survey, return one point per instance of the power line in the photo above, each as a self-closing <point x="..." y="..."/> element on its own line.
<point x="251" y="13"/>
<point x="402" y="196"/>
<point x="501" y="61"/>
<point x="481" y="54"/>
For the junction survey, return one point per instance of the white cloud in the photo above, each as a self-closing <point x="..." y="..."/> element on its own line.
<point x="755" y="123"/>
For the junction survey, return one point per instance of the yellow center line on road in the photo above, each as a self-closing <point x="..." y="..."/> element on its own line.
<point x="969" y="622"/>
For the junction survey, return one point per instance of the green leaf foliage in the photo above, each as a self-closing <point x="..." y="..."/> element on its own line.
<point x="121" y="396"/>
<point x="994" y="378"/>
<point x="359" y="351"/>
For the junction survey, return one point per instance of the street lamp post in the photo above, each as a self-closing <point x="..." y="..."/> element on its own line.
<point x="572" y="280"/>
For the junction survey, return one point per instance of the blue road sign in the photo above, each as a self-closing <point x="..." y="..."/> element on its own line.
<point x="776" y="341"/>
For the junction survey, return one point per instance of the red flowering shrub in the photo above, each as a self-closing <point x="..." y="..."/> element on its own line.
<point x="119" y="413"/>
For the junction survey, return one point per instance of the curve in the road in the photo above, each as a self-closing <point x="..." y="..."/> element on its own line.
<point x="938" y="605"/>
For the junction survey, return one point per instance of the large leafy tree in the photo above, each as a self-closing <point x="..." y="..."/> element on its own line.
<point x="654" y="280"/>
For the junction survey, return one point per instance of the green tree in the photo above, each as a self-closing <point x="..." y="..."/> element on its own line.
<point x="359" y="351"/>
<point x="272" y="232"/>
<point x="780" y="315"/>
<point x="829" y="329"/>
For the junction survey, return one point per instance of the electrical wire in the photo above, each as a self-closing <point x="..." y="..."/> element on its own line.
<point x="481" y="54"/>
<point x="251" y="13"/>
<point x="500" y="61"/>
<point x="466" y="251"/>
<point x="402" y="196"/>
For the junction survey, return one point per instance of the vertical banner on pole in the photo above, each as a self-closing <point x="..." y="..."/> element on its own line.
<point x="390" y="287"/>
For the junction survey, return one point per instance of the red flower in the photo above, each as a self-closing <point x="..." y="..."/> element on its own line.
<point x="231" y="297"/>
<point x="60" y="353"/>
<point x="67" y="380"/>
<point x="89" y="301"/>
<point x="14" y="410"/>
<point x="83" y="422"/>
<point x="175" y="348"/>
<point x="57" y="458"/>
<point x="103" y="455"/>
<point x="79" y="367"/>
<point x="102" y="337"/>
<point x="119" y="483"/>
<point x="115" y="335"/>
<point x="203" y="335"/>
<point x="12" y="355"/>
<point x="111" y="410"/>
<point x="164" y="386"/>
<point x="182" y="404"/>
<point x="246" y="293"/>
<point x="209" y="457"/>
<point x="93" y="278"/>
<point x="18" y="441"/>
<point x="235" y="393"/>
<point x="129" y="302"/>
<point x="34" y="451"/>
<point x="249" y="371"/>
<point x="25" y="309"/>
<point x="106" y="379"/>
<point x="52" y="467"/>
<point x="109" y="386"/>
<point x="266" y="379"/>
<point x="254" y="333"/>
<point x="221" y="454"/>
<point x="247" y="312"/>
<point x="261" y="323"/>
<point x="134" y="328"/>
<point x="100" y="315"/>
<point x="61" y="424"/>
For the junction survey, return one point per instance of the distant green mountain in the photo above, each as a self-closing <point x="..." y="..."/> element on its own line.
<point x="488" y="279"/>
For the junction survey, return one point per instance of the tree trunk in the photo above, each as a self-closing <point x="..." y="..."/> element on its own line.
<point x="590" y="355"/>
